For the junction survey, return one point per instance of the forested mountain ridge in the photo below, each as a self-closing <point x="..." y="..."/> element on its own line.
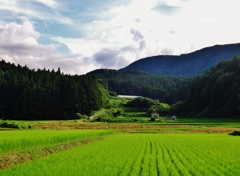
<point x="216" y="93"/>
<point x="165" y="88"/>
<point x="28" y="94"/>
<point x="191" y="64"/>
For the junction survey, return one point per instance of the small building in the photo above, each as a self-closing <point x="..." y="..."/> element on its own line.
<point x="129" y="96"/>
<point x="171" y="118"/>
<point x="155" y="115"/>
<point x="174" y="117"/>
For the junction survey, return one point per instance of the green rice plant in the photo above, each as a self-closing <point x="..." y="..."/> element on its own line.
<point x="140" y="155"/>
<point x="14" y="141"/>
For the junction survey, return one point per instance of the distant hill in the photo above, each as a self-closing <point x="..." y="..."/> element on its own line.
<point x="191" y="64"/>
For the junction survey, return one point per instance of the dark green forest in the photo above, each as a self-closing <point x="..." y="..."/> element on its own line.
<point x="43" y="94"/>
<point x="166" y="88"/>
<point x="216" y="93"/>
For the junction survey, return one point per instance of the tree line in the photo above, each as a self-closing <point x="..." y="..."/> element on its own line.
<point x="216" y="93"/>
<point x="165" y="88"/>
<point x="43" y="94"/>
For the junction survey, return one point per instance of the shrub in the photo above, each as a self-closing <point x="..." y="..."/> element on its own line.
<point x="84" y="117"/>
<point x="161" y="108"/>
<point x="106" y="116"/>
<point x="117" y="112"/>
<point x="80" y="116"/>
<point x="161" y="120"/>
<point x="235" y="133"/>
<point x="141" y="102"/>
<point x="134" y="120"/>
<point x="9" y="124"/>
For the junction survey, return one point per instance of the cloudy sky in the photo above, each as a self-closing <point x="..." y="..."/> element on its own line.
<point x="82" y="35"/>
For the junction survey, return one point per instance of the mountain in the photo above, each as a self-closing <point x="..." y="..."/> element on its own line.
<point x="191" y="64"/>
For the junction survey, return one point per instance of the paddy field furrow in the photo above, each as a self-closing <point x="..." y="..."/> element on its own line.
<point x="123" y="154"/>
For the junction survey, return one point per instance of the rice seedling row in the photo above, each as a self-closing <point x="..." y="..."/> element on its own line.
<point x="15" y="141"/>
<point x="144" y="155"/>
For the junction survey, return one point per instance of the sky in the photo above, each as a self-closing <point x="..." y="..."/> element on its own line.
<point x="83" y="35"/>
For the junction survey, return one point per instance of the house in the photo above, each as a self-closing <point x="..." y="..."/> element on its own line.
<point x="155" y="115"/>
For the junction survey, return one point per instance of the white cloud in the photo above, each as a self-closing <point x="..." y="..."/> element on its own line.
<point x="30" y="10"/>
<point x="113" y="34"/>
<point x="19" y="45"/>
<point x="127" y="39"/>
<point x="50" y="3"/>
<point x="19" y="39"/>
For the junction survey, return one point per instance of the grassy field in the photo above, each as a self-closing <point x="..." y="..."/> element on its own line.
<point x="126" y="145"/>
<point x="142" y="154"/>
<point x="17" y="140"/>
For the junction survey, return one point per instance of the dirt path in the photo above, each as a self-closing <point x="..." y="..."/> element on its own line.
<point x="97" y="114"/>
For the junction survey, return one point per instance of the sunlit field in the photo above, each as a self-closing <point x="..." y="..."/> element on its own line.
<point x="17" y="140"/>
<point x="142" y="154"/>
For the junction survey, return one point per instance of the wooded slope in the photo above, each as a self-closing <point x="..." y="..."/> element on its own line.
<point x="191" y="64"/>
<point x="41" y="94"/>
<point x="216" y="93"/>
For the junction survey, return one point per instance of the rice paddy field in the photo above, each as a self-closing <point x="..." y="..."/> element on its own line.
<point x="122" y="154"/>
<point x="24" y="140"/>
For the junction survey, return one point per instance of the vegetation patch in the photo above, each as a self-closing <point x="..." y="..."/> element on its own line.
<point x="43" y="95"/>
<point x="17" y="146"/>
<point x="22" y="157"/>
<point x="20" y="141"/>
<point x="235" y="133"/>
<point x="12" y="124"/>
<point x="142" y="154"/>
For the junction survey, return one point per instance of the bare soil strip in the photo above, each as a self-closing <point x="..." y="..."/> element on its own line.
<point x="108" y="126"/>
<point x="10" y="160"/>
<point x="172" y="130"/>
<point x="136" y="128"/>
